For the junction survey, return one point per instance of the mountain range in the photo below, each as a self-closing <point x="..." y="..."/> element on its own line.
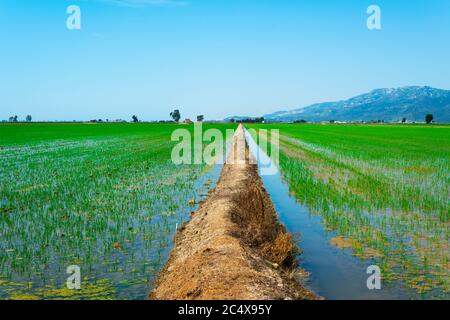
<point x="412" y="103"/>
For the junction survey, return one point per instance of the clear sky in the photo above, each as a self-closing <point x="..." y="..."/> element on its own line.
<point x="211" y="57"/>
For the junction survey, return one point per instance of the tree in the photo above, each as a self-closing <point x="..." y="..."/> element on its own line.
<point x="176" y="116"/>
<point x="251" y="120"/>
<point x="403" y="120"/>
<point x="13" y="119"/>
<point x="135" y="119"/>
<point x="429" y="118"/>
<point x="29" y="118"/>
<point x="200" y="118"/>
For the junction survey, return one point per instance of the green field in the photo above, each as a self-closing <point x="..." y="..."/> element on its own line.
<point x="382" y="190"/>
<point x="106" y="197"/>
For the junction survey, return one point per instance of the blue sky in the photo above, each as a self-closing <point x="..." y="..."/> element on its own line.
<point x="212" y="57"/>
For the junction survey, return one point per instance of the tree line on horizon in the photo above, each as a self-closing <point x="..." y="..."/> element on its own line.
<point x="176" y="117"/>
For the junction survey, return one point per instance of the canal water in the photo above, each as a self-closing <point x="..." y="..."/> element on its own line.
<point x="333" y="273"/>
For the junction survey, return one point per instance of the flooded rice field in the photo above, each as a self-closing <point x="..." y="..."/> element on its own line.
<point x="349" y="216"/>
<point x="107" y="204"/>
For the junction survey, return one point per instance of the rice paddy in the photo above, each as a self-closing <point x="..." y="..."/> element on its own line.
<point x="108" y="198"/>
<point x="105" y="197"/>
<point x="382" y="192"/>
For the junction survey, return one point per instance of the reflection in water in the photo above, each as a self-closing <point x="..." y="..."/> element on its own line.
<point x="334" y="273"/>
<point x="110" y="206"/>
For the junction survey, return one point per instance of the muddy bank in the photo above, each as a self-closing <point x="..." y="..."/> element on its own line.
<point x="233" y="247"/>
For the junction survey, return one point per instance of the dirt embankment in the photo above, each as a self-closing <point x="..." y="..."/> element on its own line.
<point x="233" y="247"/>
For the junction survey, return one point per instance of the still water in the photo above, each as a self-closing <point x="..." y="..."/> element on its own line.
<point x="333" y="273"/>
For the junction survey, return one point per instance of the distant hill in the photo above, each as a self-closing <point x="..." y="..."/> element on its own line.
<point x="412" y="103"/>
